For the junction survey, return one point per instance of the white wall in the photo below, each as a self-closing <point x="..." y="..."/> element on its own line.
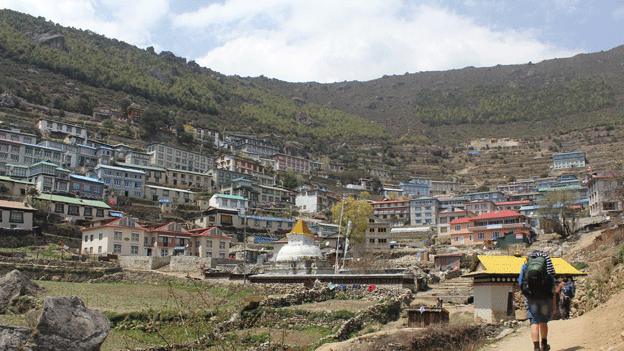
<point x="490" y="301"/>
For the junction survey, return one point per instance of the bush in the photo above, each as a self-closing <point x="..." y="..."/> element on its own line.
<point x="579" y="265"/>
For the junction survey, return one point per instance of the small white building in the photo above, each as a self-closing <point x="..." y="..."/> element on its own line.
<point x="228" y="202"/>
<point x="74" y="209"/>
<point x="16" y="215"/>
<point x="170" y="195"/>
<point x="48" y="127"/>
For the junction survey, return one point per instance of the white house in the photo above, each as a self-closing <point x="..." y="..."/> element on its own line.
<point x="16" y="215"/>
<point x="228" y="202"/>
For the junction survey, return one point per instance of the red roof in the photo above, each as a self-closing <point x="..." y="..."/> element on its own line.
<point x="518" y="202"/>
<point x="497" y="214"/>
<point x="488" y="215"/>
<point x="461" y="220"/>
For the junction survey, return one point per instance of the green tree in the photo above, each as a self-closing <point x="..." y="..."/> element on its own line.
<point x="356" y="211"/>
<point x="289" y="180"/>
<point x="153" y="121"/>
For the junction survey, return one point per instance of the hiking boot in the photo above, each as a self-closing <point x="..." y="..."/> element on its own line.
<point x="545" y="347"/>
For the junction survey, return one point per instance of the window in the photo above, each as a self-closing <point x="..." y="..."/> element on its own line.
<point x="164" y="252"/>
<point x="382" y="240"/>
<point x="99" y="212"/>
<point x="481" y="236"/>
<point x="457" y="226"/>
<point x="371" y="240"/>
<point x="90" y="250"/>
<point x="73" y="210"/>
<point x="88" y="212"/>
<point x="86" y="238"/>
<point x="91" y="237"/>
<point x="135" y="236"/>
<point x="118" y="236"/>
<point x="495" y="235"/>
<point x="117" y="248"/>
<point x="99" y="249"/>
<point x="222" y="245"/>
<point x="100" y="236"/>
<point x="134" y="250"/>
<point x="16" y="217"/>
<point x="208" y="253"/>
<point x="59" y="208"/>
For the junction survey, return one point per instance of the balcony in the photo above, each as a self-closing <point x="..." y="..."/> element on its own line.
<point x="501" y="226"/>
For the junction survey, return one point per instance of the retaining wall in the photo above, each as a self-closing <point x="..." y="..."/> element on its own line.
<point x="189" y="263"/>
<point x="144" y="263"/>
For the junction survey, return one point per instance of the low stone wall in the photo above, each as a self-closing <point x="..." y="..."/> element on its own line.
<point x="144" y="263"/>
<point x="298" y="298"/>
<point x="58" y="270"/>
<point x="189" y="263"/>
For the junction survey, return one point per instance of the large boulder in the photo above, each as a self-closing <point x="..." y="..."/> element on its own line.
<point x="66" y="324"/>
<point x="15" y="338"/>
<point x="14" y="286"/>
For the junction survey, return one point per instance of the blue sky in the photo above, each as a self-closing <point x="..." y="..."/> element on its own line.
<point x="335" y="40"/>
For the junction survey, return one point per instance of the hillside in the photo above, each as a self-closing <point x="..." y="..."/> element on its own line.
<point x="513" y="100"/>
<point x="43" y="62"/>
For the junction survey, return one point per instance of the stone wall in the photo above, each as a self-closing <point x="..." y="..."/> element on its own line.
<point x="189" y="263"/>
<point x="58" y="270"/>
<point x="143" y="263"/>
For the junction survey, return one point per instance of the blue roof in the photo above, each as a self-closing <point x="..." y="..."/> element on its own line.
<point x="263" y="239"/>
<point x="117" y="214"/>
<point x="85" y="178"/>
<point x="266" y="218"/>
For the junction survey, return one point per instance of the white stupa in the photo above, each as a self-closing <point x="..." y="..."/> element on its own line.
<point x="301" y="245"/>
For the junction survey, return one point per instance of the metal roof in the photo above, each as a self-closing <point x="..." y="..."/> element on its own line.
<point x="72" y="200"/>
<point x="511" y="265"/>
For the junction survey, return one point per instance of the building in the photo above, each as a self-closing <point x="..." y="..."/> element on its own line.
<point x="288" y="163"/>
<point x="446" y="217"/>
<point x="268" y="224"/>
<point x="153" y="175"/>
<point x="219" y="217"/>
<point x="394" y="212"/>
<point x="188" y="179"/>
<point x="26" y="154"/>
<point x="73" y="209"/>
<point x="450" y="203"/>
<point x="575" y="159"/>
<point x="391" y="192"/>
<point x="380" y="237"/>
<point x="228" y="202"/>
<point x="448" y="261"/>
<point x="49" y="128"/>
<point x="170" y="157"/>
<point x="416" y="187"/>
<point x="18" y="136"/>
<point x="126" y="182"/>
<point x="605" y="195"/>
<point x="122" y="236"/>
<point x="86" y="187"/>
<point x="209" y="242"/>
<point x="519" y="186"/>
<point x="511" y="205"/>
<point x="493" y="143"/>
<point x="495" y="281"/>
<point x="175" y="196"/>
<point x="313" y="201"/>
<point x="49" y="177"/>
<point x="239" y="164"/>
<point x="423" y="211"/>
<point x="14" y="189"/>
<point x="489" y="227"/>
<point x="494" y="196"/>
<point x="252" y="146"/>
<point x="223" y="177"/>
<point x="480" y="206"/>
<point x="443" y="187"/>
<point x="259" y="196"/>
<point x="16" y="215"/>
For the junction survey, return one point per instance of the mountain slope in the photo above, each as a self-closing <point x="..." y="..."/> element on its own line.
<point x="557" y="94"/>
<point x="162" y="80"/>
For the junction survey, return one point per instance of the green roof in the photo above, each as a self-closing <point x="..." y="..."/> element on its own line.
<point x="73" y="200"/>
<point x="19" y="181"/>
<point x="234" y="197"/>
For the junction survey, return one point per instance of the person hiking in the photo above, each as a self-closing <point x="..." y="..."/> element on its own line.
<point x="537" y="283"/>
<point x="567" y="294"/>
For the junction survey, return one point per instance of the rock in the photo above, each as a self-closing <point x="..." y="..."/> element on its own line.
<point x="622" y="336"/>
<point x="51" y="39"/>
<point x="15" y="338"/>
<point x="503" y="333"/>
<point x="66" y="324"/>
<point x="7" y="100"/>
<point x="12" y="286"/>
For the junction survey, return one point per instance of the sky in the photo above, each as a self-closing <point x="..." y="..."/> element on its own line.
<point x="338" y="40"/>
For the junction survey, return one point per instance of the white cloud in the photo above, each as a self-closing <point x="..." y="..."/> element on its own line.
<point x="131" y="21"/>
<point x="328" y="41"/>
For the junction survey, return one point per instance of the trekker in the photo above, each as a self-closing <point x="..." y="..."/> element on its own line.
<point x="537" y="283"/>
<point x="567" y="294"/>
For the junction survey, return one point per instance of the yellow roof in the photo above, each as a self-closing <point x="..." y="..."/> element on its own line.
<point x="513" y="265"/>
<point x="301" y="228"/>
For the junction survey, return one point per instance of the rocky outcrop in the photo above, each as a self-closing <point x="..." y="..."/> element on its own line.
<point x="51" y="39"/>
<point x="8" y="100"/>
<point x="66" y="324"/>
<point x="16" y="292"/>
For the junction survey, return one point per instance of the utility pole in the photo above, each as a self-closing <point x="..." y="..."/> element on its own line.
<point x="338" y="238"/>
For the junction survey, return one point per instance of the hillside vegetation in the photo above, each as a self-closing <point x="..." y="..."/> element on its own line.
<point x="198" y="94"/>
<point x="554" y="95"/>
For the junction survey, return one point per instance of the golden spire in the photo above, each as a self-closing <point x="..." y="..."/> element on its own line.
<point x="301" y="228"/>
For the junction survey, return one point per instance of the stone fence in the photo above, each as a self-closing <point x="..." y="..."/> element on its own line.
<point x="144" y="263"/>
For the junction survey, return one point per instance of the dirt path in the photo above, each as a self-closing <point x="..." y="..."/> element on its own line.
<point x="599" y="329"/>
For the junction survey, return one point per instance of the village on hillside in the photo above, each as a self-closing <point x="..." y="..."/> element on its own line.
<point x="237" y="210"/>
